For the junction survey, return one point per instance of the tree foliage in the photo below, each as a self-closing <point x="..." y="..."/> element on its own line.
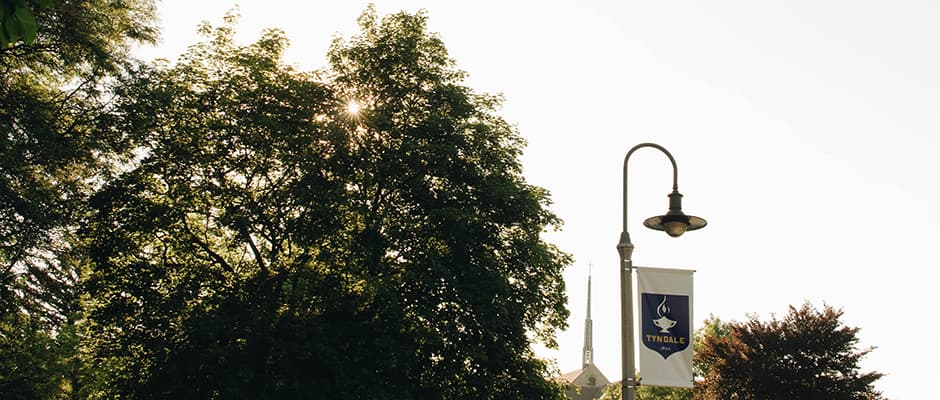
<point x="269" y="243"/>
<point x="30" y="361"/>
<point x="809" y="354"/>
<point x="613" y="391"/>
<point x="17" y="22"/>
<point x="56" y="61"/>
<point x="77" y="38"/>
<point x="53" y="95"/>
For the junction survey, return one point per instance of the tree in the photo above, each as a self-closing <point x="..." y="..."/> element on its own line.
<point x="809" y="354"/>
<point x="56" y="62"/>
<point x="207" y="277"/>
<point x="272" y="243"/>
<point x="54" y="141"/>
<point x="713" y="328"/>
<point x="443" y="192"/>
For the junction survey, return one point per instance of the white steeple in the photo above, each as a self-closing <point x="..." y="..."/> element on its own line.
<point x="588" y="356"/>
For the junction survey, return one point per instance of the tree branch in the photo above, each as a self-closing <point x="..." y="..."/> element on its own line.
<point x="205" y="247"/>
<point x="254" y="249"/>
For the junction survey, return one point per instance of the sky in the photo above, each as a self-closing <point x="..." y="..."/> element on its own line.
<point x="804" y="131"/>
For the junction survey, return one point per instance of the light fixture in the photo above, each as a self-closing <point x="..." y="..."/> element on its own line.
<point x="675" y="222"/>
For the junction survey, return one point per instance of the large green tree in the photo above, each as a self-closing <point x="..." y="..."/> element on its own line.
<point x="449" y="211"/>
<point x="272" y="242"/>
<point x="56" y="61"/>
<point x="54" y="142"/>
<point x="809" y="354"/>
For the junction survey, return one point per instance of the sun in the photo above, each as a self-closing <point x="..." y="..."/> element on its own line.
<point x="353" y="107"/>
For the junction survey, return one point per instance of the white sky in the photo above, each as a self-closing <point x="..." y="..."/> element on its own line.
<point x="804" y="131"/>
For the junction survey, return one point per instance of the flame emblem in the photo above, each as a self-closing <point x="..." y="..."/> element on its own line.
<point x="663" y="323"/>
<point x="663" y="309"/>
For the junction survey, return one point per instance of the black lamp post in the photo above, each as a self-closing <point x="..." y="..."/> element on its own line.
<point x="674" y="223"/>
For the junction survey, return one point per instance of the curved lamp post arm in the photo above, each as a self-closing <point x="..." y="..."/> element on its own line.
<point x="625" y="235"/>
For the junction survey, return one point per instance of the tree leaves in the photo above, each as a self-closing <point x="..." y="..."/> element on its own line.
<point x="53" y="147"/>
<point x="55" y="58"/>
<point x="17" y="21"/>
<point x="809" y="354"/>
<point x="442" y="191"/>
<point x="267" y="243"/>
<point x="232" y="230"/>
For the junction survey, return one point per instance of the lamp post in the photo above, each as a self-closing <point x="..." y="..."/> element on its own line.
<point x="674" y="223"/>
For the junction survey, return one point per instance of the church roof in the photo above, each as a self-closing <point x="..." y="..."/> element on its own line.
<point x="585" y="384"/>
<point x="582" y="377"/>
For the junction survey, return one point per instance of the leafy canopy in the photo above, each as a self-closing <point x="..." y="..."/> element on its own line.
<point x="57" y="60"/>
<point x="55" y="141"/>
<point x="809" y="354"/>
<point x="271" y="243"/>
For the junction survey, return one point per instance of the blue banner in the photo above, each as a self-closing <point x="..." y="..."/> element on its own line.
<point x="665" y="323"/>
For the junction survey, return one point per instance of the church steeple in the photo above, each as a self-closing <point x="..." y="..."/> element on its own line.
<point x="588" y="355"/>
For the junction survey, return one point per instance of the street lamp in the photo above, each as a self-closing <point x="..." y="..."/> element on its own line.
<point x="674" y="223"/>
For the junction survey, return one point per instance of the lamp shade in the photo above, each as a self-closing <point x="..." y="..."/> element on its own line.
<point x="675" y="224"/>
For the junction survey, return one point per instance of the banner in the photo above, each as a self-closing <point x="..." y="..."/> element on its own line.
<point x="665" y="302"/>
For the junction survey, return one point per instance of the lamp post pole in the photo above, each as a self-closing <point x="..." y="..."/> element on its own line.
<point x="675" y="223"/>
<point x="628" y="382"/>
